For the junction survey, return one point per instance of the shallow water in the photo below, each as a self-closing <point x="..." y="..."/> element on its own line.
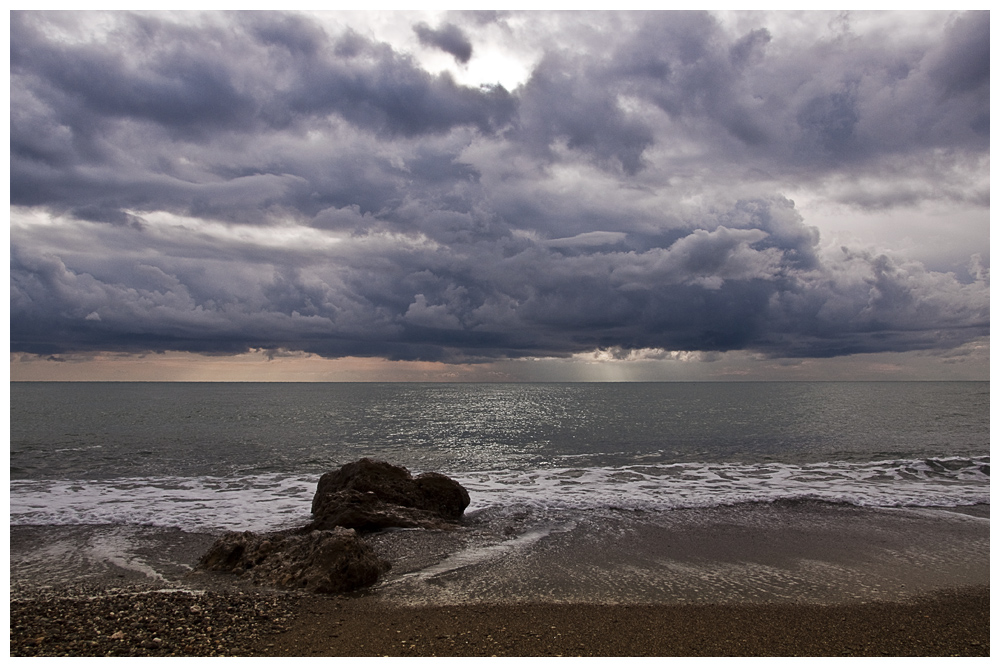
<point x="809" y="552"/>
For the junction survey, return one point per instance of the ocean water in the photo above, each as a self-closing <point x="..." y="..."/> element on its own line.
<point x="539" y="460"/>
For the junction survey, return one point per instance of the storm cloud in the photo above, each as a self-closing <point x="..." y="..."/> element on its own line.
<point x="449" y="38"/>
<point x="221" y="182"/>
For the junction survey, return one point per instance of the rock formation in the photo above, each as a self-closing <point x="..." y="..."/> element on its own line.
<point x="321" y="561"/>
<point x="327" y="555"/>
<point x="371" y="495"/>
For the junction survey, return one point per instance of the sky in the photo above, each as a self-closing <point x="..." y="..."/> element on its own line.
<point x="499" y="195"/>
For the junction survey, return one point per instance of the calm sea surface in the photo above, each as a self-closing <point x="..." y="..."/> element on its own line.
<point x="241" y="456"/>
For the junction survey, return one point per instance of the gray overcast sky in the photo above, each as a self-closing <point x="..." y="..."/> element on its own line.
<point x="499" y="195"/>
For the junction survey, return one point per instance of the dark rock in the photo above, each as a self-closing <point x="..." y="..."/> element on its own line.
<point x="320" y="561"/>
<point x="365" y="512"/>
<point x="327" y="556"/>
<point x="370" y="495"/>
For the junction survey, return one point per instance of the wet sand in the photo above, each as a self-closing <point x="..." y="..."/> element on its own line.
<point x="944" y="624"/>
<point x="762" y="553"/>
<point x="783" y="579"/>
<point x="798" y="579"/>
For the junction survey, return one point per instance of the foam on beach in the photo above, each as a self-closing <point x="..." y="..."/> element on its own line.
<point x="950" y="481"/>
<point x="253" y="502"/>
<point x="271" y="501"/>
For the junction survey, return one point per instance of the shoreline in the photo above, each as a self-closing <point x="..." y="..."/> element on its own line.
<point x="953" y="622"/>
<point x="946" y="623"/>
<point x="779" y="579"/>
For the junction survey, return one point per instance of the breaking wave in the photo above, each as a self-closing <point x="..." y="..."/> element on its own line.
<point x="266" y="502"/>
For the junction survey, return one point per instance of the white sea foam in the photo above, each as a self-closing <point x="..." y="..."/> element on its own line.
<point x="482" y="553"/>
<point x="267" y="502"/>
<point x="891" y="483"/>
<point x="257" y="502"/>
<point x="116" y="548"/>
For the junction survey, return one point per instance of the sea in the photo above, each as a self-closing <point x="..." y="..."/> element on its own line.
<point x="539" y="460"/>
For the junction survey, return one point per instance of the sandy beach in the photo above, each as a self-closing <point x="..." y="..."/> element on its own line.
<point x="948" y="623"/>
<point x="803" y="579"/>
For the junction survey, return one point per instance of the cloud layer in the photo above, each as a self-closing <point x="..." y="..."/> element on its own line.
<point x="220" y="182"/>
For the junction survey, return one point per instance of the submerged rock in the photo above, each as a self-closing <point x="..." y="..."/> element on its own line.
<point x="319" y="561"/>
<point x="371" y="495"/>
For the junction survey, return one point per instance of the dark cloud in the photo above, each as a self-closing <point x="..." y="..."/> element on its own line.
<point x="750" y="47"/>
<point x="962" y="64"/>
<point x="117" y="123"/>
<point x="562" y="103"/>
<point x="113" y="216"/>
<point x="221" y="182"/>
<point x="448" y="37"/>
<point x="485" y="16"/>
<point x="729" y="288"/>
<point x="828" y="123"/>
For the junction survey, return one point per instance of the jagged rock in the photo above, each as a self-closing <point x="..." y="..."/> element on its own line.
<point x="320" y="561"/>
<point x="370" y="495"/>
